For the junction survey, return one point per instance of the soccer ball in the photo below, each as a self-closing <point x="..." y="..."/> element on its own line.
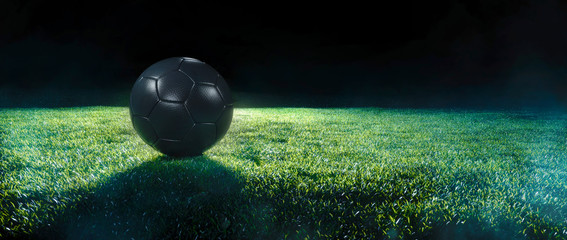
<point x="181" y="106"/>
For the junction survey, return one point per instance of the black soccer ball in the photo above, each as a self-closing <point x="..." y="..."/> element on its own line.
<point x="181" y="106"/>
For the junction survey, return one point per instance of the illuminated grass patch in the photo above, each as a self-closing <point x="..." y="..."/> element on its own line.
<point x="288" y="173"/>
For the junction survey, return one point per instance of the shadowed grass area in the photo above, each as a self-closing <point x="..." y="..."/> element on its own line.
<point x="161" y="198"/>
<point x="288" y="173"/>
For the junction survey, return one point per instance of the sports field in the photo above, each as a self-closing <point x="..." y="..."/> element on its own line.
<point x="288" y="173"/>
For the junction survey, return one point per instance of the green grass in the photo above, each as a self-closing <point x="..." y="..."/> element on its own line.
<point x="288" y="173"/>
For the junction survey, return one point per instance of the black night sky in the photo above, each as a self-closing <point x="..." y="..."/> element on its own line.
<point x="483" y="53"/>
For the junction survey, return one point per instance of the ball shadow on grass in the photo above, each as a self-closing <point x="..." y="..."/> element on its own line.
<point x="163" y="198"/>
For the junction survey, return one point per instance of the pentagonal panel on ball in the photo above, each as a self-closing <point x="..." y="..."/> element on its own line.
<point x="223" y="123"/>
<point x="143" y="97"/>
<point x="171" y="120"/>
<point x="177" y="148"/>
<point x="202" y="136"/>
<point x="205" y="103"/>
<point x="157" y="69"/>
<point x="200" y="72"/>
<point x="224" y="90"/>
<point x="144" y="128"/>
<point x="174" y="86"/>
<point x="170" y="147"/>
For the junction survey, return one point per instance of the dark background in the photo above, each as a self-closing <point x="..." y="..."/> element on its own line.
<point x="471" y="54"/>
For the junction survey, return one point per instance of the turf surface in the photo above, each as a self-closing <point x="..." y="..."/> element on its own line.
<point x="287" y="173"/>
